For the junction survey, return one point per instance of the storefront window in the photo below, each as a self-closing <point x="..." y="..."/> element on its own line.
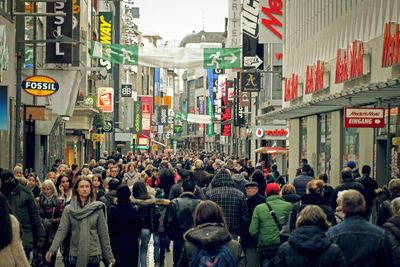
<point x="351" y="138"/>
<point x="325" y="141"/>
<point x="303" y="138"/>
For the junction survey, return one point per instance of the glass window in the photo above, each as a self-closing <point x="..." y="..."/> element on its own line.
<point x="351" y="140"/>
<point x="325" y="141"/>
<point x="303" y="138"/>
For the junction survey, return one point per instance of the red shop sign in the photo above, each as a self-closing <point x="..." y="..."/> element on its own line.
<point x="364" y="117"/>
<point x="391" y="43"/>
<point x="291" y="87"/>
<point x="349" y="63"/>
<point x="315" y="77"/>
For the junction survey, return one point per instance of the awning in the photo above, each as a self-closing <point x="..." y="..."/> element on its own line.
<point x="271" y="150"/>
<point x="386" y="92"/>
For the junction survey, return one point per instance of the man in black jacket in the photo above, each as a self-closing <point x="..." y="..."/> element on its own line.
<point x="301" y="180"/>
<point x="179" y="216"/>
<point x="369" y="185"/>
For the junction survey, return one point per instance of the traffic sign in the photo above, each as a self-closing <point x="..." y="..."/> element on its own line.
<point x="364" y="117"/>
<point x="126" y="90"/>
<point x="252" y="62"/>
<point x="224" y="58"/>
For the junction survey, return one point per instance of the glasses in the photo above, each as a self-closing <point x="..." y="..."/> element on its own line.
<point x="114" y="171"/>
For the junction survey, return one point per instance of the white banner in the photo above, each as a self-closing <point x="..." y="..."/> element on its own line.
<point x="180" y="58"/>
<point x="199" y="118"/>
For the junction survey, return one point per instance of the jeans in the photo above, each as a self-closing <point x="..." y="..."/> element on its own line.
<point x="159" y="248"/>
<point x="94" y="261"/>
<point x="177" y="247"/>
<point x="144" y="239"/>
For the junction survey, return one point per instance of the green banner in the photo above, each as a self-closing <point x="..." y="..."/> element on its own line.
<point x="181" y="116"/>
<point x="222" y="58"/>
<point x="209" y="126"/>
<point x="119" y="54"/>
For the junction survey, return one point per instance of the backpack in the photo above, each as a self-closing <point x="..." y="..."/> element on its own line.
<point x="275" y="179"/>
<point x="222" y="257"/>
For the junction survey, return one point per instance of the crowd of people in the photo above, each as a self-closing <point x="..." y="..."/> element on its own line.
<point x="216" y="210"/>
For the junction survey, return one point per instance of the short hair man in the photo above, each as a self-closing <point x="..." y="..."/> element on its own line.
<point x="301" y="180"/>
<point x="362" y="243"/>
<point x="369" y="185"/>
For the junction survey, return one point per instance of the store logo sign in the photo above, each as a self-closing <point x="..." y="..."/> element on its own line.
<point x="350" y="63"/>
<point x="271" y="18"/>
<point x="391" y="44"/>
<point x="40" y="85"/>
<point x="315" y="77"/>
<point x="364" y="117"/>
<point x="291" y="87"/>
<point x="271" y="132"/>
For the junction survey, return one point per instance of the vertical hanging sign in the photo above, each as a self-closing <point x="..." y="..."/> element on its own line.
<point x="147" y="112"/>
<point x="210" y="126"/>
<point x="105" y="33"/>
<point x="137" y="117"/>
<point x="163" y="115"/>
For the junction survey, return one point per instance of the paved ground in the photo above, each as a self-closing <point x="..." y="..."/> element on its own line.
<point x="150" y="257"/>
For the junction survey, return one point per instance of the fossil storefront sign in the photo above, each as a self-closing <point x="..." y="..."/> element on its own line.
<point x="40" y="85"/>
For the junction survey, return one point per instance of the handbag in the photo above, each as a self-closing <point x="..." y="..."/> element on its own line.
<point x="283" y="232"/>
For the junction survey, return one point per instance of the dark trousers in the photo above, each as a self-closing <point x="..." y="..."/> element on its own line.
<point x="177" y="247"/>
<point x="28" y="252"/>
<point x="266" y="256"/>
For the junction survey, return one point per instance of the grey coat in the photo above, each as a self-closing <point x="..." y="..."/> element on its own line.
<point x="97" y="238"/>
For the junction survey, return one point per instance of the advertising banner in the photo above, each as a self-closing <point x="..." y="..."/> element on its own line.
<point x="137" y="117"/>
<point x="3" y="108"/>
<point x="163" y="115"/>
<point x="59" y="26"/>
<point x="147" y="113"/>
<point x="271" y="18"/>
<point x="210" y="125"/>
<point x="364" y="117"/>
<point x="253" y="51"/>
<point x="105" y="99"/>
<point x="157" y="87"/>
<point x="251" y="82"/>
<point x="271" y="132"/>
<point x="105" y="32"/>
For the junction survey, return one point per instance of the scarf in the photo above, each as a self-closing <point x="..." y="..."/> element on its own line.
<point x="48" y="201"/>
<point x="82" y="214"/>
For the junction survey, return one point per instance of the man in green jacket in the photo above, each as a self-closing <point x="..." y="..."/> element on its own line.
<point x="263" y="226"/>
<point x="23" y="204"/>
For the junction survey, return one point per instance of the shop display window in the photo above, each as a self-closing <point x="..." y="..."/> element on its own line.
<point x="324" y="144"/>
<point x="351" y="141"/>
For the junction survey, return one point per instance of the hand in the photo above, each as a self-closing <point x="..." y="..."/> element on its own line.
<point x="41" y="241"/>
<point x="112" y="261"/>
<point x="48" y="256"/>
<point x="61" y="189"/>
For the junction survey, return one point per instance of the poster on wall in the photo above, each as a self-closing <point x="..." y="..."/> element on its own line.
<point x="105" y="99"/>
<point x="147" y="112"/>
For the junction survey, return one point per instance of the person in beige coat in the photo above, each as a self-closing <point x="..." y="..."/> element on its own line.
<point x="11" y="250"/>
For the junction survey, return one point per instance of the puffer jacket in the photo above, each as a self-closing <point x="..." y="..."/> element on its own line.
<point x="179" y="216"/>
<point x="209" y="235"/>
<point x="109" y="199"/>
<point x="240" y="182"/>
<point x="263" y="226"/>
<point x="24" y="207"/>
<point x="146" y="212"/>
<point x="309" y="246"/>
<point x="392" y="229"/>
<point x="160" y="211"/>
<point x="231" y="200"/>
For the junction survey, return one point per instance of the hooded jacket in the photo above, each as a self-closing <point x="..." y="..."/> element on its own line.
<point x="231" y="200"/>
<point x="146" y="211"/>
<point x="209" y="235"/>
<point x="309" y="246"/>
<point x="109" y="199"/>
<point x="240" y="182"/>
<point x="392" y="229"/>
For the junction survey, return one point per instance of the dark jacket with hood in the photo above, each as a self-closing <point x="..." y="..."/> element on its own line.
<point x="146" y="212"/>
<point x="292" y="198"/>
<point x="109" y="199"/>
<point x="239" y="182"/>
<point x="211" y="236"/>
<point x="346" y="185"/>
<point x="231" y="200"/>
<point x="392" y="229"/>
<point x="300" y="182"/>
<point x="179" y="215"/>
<point x="252" y="202"/>
<point x="309" y="246"/>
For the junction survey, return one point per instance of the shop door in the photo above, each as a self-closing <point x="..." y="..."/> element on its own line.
<point x="381" y="162"/>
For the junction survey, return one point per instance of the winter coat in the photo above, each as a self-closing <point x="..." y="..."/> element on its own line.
<point x="179" y="216"/>
<point x="239" y="182"/>
<point x="252" y="203"/>
<point x="24" y="207"/>
<point x="362" y="243"/>
<point x="201" y="177"/>
<point x="309" y="246"/>
<point x="275" y="177"/>
<point x="146" y="212"/>
<point x="13" y="254"/>
<point x="124" y="229"/>
<point x="210" y="170"/>
<point x="392" y="229"/>
<point x="51" y="213"/>
<point x="346" y="185"/>
<point x="96" y="240"/>
<point x="292" y="198"/>
<point x="176" y="191"/>
<point x="339" y="215"/>
<point x="263" y="226"/>
<point x="160" y="210"/>
<point x="130" y="178"/>
<point x="370" y="185"/>
<point x="327" y="192"/>
<point x="109" y="199"/>
<point x="300" y="182"/>
<point x="36" y="191"/>
<point x="311" y="199"/>
<point x="101" y="192"/>
<point x="231" y="200"/>
<point x="209" y="235"/>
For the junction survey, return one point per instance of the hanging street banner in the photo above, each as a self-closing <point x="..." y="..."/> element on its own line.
<point x="137" y="117"/>
<point x="163" y="115"/>
<point x="196" y="118"/>
<point x="164" y="57"/>
<point x="364" y="117"/>
<point x="105" y="32"/>
<point x="147" y="113"/>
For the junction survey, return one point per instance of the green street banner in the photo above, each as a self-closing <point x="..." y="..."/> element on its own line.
<point x="165" y="57"/>
<point x="180" y="116"/>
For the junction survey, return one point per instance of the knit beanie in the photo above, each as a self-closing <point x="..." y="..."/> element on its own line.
<point x="272" y="189"/>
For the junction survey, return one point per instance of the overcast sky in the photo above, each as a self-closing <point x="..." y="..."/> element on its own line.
<point x="174" y="19"/>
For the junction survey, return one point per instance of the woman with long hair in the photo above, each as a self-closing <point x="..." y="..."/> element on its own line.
<point x="308" y="245"/>
<point x="50" y="210"/>
<point x="51" y="176"/>
<point x="33" y="182"/>
<point x="124" y="228"/>
<point x="146" y="204"/>
<point x="131" y="176"/>
<point x="210" y="235"/>
<point x="84" y="217"/>
<point x="98" y="186"/>
<point x="11" y="249"/>
<point x="64" y="186"/>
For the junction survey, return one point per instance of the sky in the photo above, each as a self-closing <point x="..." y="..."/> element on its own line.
<point x="174" y="19"/>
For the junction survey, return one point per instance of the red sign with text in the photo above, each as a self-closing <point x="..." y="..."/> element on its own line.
<point x="349" y="63"/>
<point x="291" y="87"/>
<point x="315" y="77"/>
<point x="391" y="45"/>
<point x="364" y="117"/>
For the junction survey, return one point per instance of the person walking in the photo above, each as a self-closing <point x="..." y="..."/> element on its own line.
<point x="131" y="176"/>
<point x="308" y="245"/>
<point x="84" y="217"/>
<point x="370" y="185"/>
<point x="301" y="180"/>
<point x="11" y="249"/>
<point x="124" y="228"/>
<point x="160" y="235"/>
<point x="33" y="182"/>
<point x="209" y="222"/>
<point x="392" y="229"/>
<point x="362" y="243"/>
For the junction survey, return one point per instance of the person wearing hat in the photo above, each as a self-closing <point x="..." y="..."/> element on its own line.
<point x="249" y="243"/>
<point x="263" y="226"/>
<point x="353" y="166"/>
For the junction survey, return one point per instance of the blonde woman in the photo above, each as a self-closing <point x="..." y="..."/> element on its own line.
<point x="143" y="177"/>
<point x="51" y="176"/>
